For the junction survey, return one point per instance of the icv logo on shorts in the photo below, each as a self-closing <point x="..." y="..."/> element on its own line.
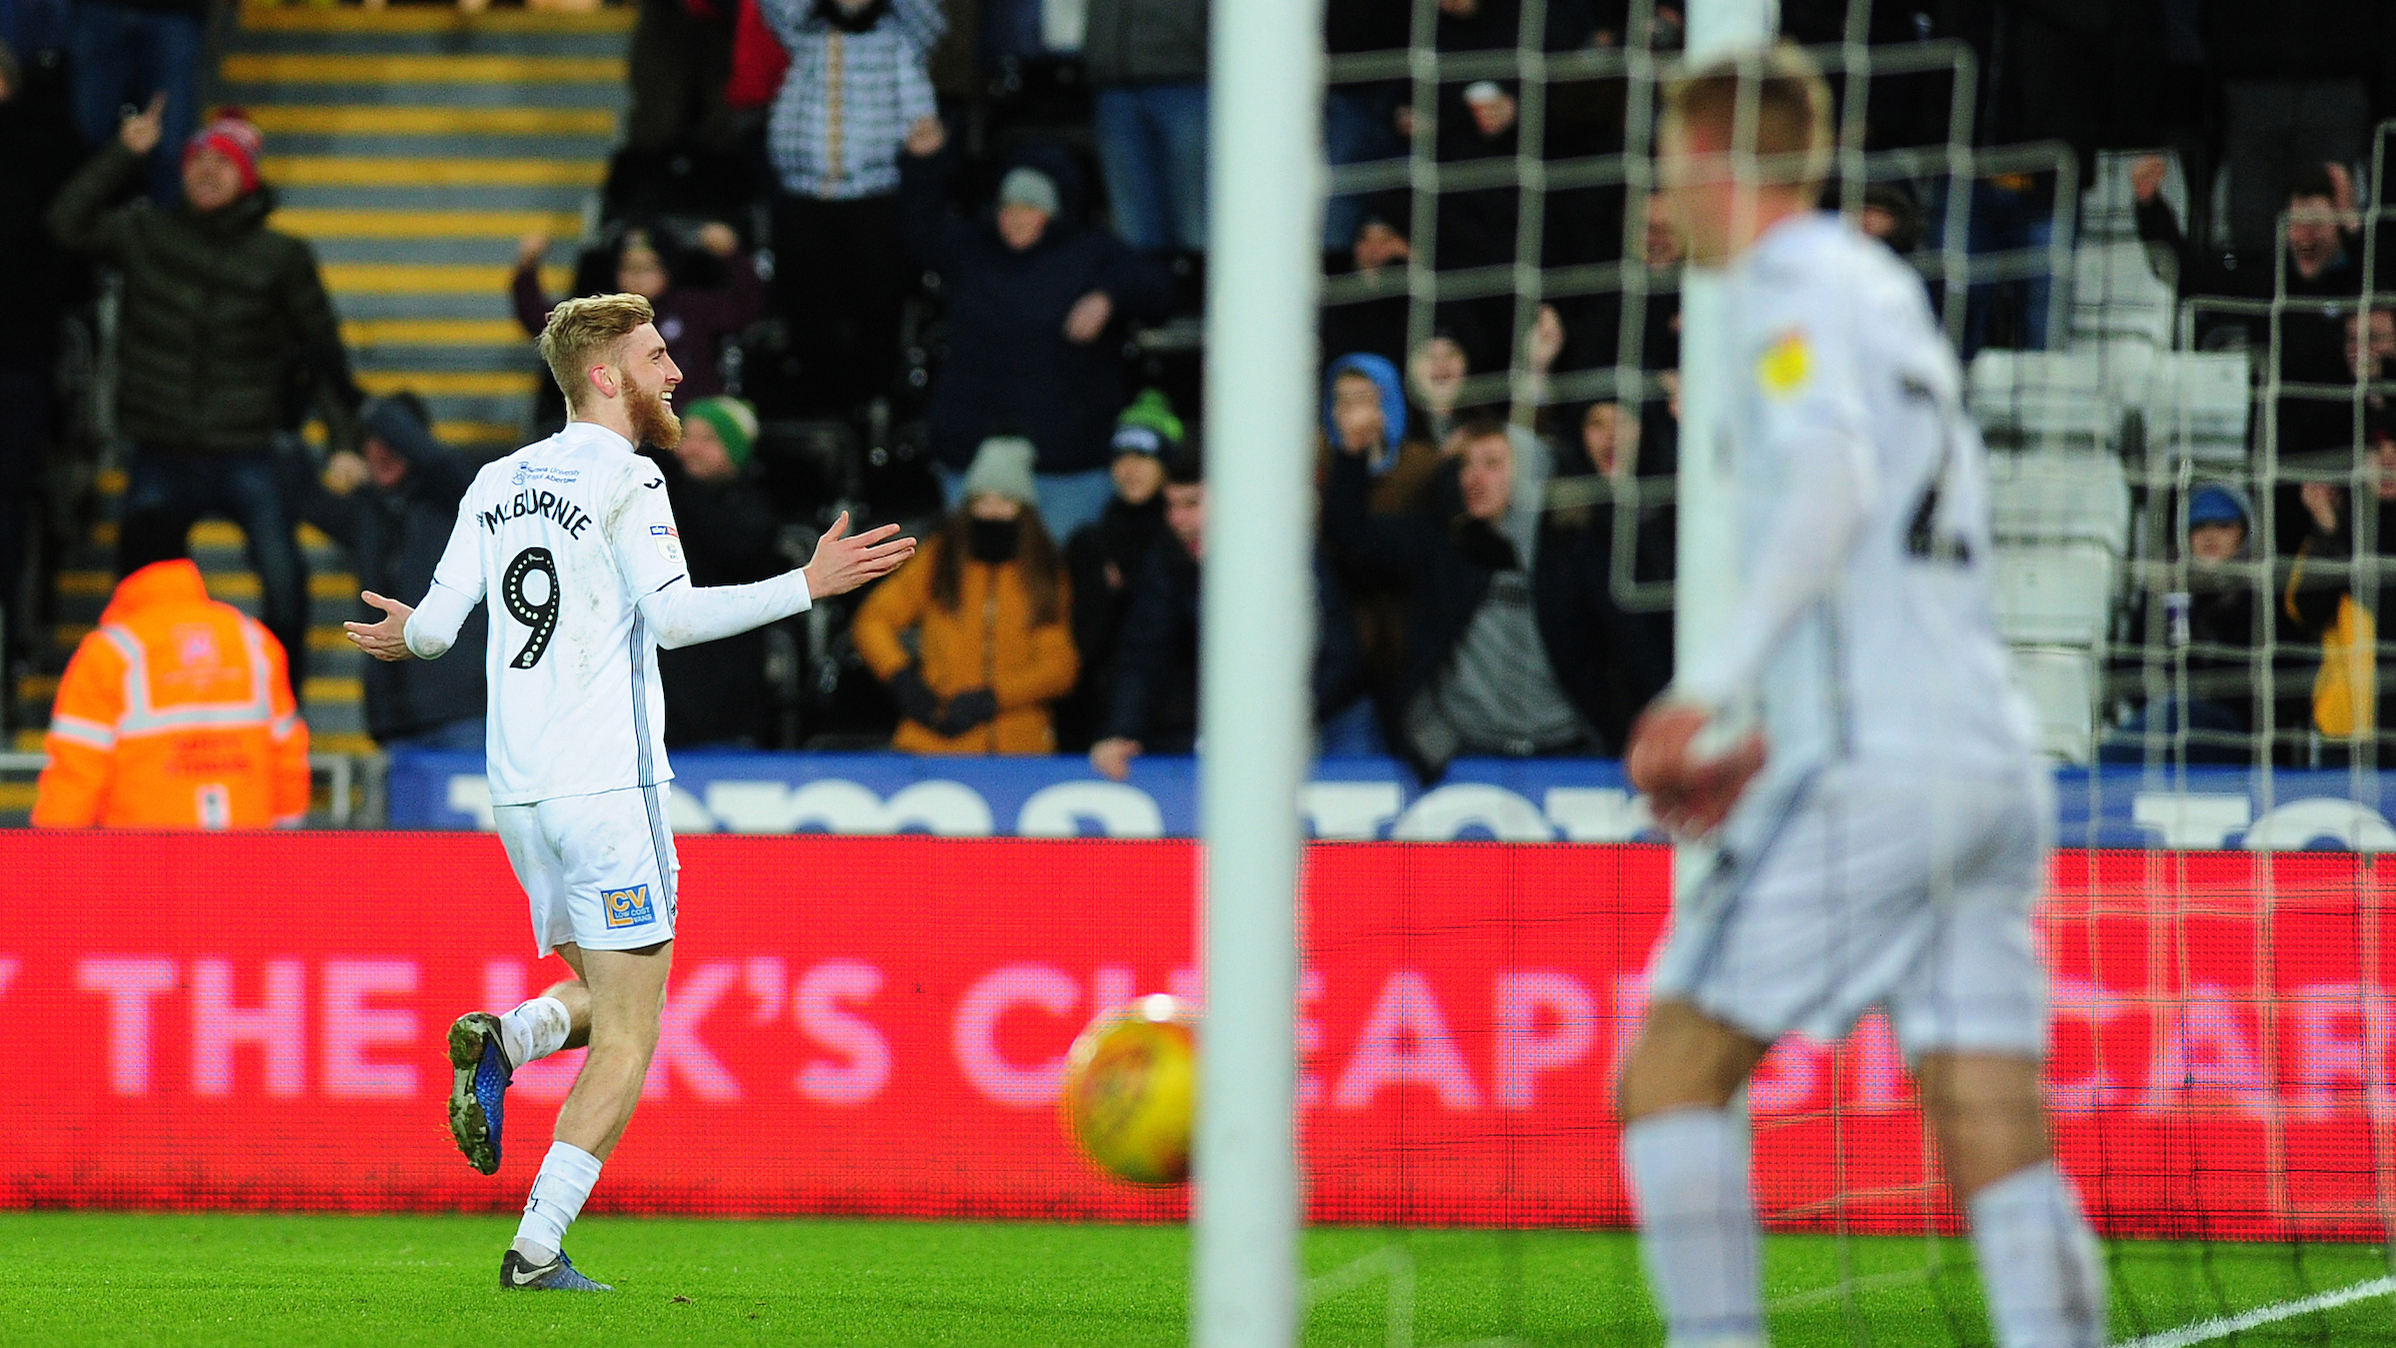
<point x="628" y="907"/>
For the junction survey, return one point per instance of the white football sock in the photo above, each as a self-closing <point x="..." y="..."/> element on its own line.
<point x="2039" y="1264"/>
<point x="534" y="1030"/>
<point x="1697" y="1228"/>
<point x="558" y="1193"/>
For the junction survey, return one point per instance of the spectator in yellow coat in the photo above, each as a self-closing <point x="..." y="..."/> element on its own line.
<point x="176" y="712"/>
<point x="991" y="609"/>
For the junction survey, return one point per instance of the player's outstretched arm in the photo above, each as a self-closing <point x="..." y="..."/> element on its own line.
<point x="387" y="639"/>
<point x="681" y="615"/>
<point x="842" y="563"/>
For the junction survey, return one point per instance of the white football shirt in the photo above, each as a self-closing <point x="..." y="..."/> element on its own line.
<point x="565" y="538"/>
<point x="1867" y="623"/>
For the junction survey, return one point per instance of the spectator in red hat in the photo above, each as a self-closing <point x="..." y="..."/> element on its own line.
<point x="222" y="320"/>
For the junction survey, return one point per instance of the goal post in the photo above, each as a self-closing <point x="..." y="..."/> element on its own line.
<point x="1257" y="630"/>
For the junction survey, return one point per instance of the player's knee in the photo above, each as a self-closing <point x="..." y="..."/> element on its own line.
<point x="1683" y="1060"/>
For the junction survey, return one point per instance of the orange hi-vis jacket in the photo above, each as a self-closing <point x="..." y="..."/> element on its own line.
<point x="175" y="712"/>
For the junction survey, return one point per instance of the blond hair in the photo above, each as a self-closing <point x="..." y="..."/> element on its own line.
<point x="1786" y="111"/>
<point x="581" y="333"/>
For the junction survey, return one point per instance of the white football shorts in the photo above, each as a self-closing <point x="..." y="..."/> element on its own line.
<point x="599" y="869"/>
<point x="1908" y="893"/>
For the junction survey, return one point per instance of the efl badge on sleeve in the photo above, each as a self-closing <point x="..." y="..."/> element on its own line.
<point x="627" y="907"/>
<point x="1785" y="365"/>
<point x="669" y="543"/>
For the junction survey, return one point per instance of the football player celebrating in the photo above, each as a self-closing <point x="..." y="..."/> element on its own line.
<point x="573" y="542"/>
<point x="1884" y="834"/>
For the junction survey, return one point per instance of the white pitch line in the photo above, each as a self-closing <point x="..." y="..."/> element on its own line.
<point x="2206" y="1331"/>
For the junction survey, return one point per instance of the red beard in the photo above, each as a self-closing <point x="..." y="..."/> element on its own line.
<point x="653" y="423"/>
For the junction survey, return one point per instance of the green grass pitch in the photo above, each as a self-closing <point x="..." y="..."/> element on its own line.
<point x="92" y="1278"/>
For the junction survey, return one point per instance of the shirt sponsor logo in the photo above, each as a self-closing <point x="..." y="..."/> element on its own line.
<point x="628" y="907"/>
<point x="532" y="503"/>
<point x="541" y="473"/>
<point x="1785" y="365"/>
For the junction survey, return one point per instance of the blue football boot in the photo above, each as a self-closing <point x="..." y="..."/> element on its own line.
<point x="518" y="1274"/>
<point x="478" y="1092"/>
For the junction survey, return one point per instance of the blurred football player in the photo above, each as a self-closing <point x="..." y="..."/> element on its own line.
<point x="1883" y="826"/>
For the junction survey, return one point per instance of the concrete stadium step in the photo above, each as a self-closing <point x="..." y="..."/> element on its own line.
<point x="291" y="171"/>
<point x="258" y="19"/>
<point x="509" y="226"/>
<point x="466" y="197"/>
<point x="382" y="118"/>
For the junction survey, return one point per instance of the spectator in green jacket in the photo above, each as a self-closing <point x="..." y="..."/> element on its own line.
<point x="224" y="320"/>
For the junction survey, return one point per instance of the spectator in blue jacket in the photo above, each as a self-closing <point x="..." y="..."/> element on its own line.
<point x="859" y="82"/>
<point x="1036" y="310"/>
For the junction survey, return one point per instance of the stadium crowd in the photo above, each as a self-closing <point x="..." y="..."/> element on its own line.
<point x="943" y="260"/>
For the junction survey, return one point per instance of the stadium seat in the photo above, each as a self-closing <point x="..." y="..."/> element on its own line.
<point x="2038" y="498"/>
<point x="2054" y="594"/>
<point x="2061" y="684"/>
<point x="2199" y="402"/>
<point x="2043" y="396"/>
<point x="2115" y="293"/>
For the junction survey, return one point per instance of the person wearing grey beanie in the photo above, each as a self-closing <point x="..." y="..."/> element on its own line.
<point x="1039" y="305"/>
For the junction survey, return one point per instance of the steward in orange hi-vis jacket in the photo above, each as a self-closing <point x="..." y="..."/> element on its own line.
<point x="175" y="713"/>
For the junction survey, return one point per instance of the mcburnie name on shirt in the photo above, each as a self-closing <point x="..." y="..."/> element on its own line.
<point x="536" y="503"/>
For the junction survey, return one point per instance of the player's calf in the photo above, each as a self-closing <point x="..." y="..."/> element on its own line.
<point x="1684" y="1156"/>
<point x="2039" y="1263"/>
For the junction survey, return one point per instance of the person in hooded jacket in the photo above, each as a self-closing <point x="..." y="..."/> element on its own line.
<point x="1485" y="671"/>
<point x="1036" y="306"/>
<point x="222" y="319"/>
<point x="991" y="611"/>
<point x="393" y="507"/>
<point x="2216" y="706"/>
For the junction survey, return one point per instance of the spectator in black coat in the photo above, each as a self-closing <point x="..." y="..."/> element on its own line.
<point x="2323" y="260"/>
<point x="37" y="155"/>
<point x="1108" y="553"/>
<point x="1036" y="307"/>
<point x="1152" y="706"/>
<point x="1154" y="703"/>
<point x="1499" y="660"/>
<point x="1367" y="310"/>
<point x="393" y="507"/>
<point x="716" y="691"/>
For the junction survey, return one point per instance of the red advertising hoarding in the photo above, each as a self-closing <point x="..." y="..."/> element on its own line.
<point x="875" y="1025"/>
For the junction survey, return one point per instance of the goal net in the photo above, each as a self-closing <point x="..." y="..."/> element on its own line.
<point x="2221" y="1049"/>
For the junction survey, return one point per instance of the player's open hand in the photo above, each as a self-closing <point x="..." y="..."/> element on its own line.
<point x="1690" y="794"/>
<point x="842" y="563"/>
<point x="386" y="640"/>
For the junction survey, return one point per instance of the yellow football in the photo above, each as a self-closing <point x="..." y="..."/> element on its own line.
<point x="1131" y="1090"/>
